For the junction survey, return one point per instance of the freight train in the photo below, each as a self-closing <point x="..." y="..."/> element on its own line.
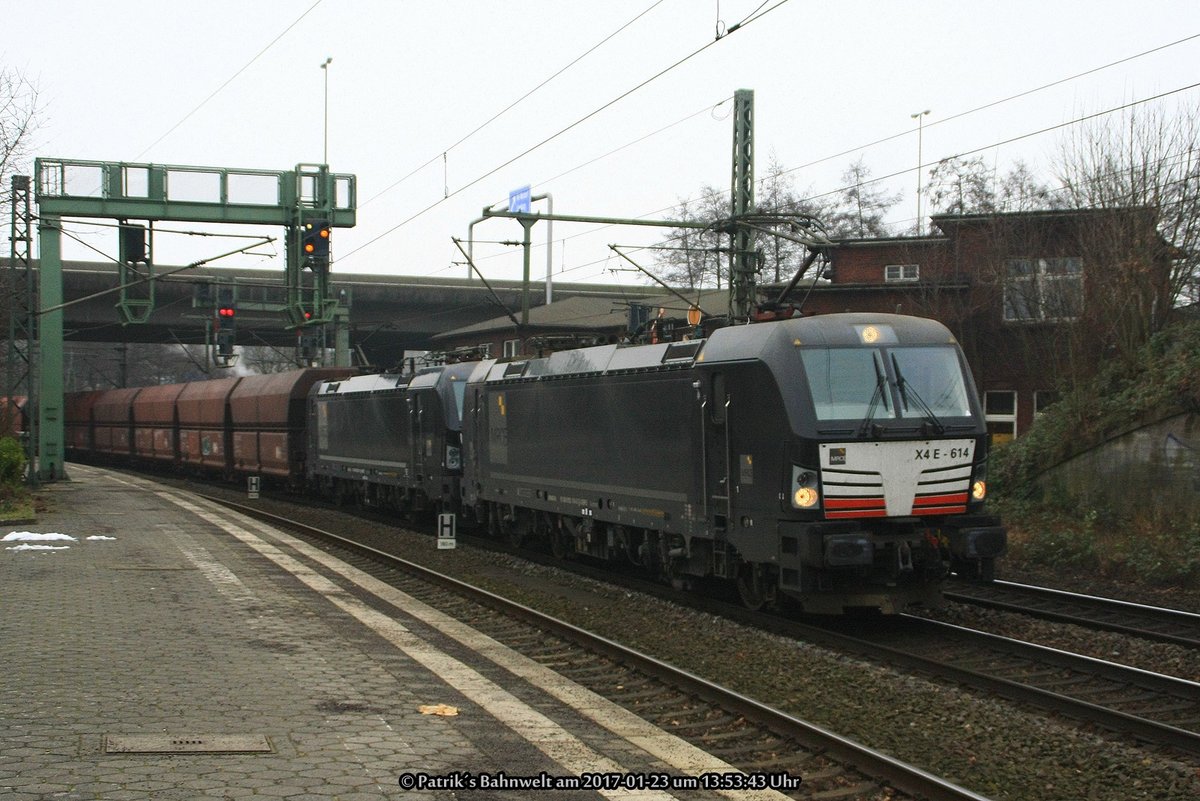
<point x="826" y="463"/>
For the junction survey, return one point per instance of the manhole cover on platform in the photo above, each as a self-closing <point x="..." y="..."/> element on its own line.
<point x="186" y="744"/>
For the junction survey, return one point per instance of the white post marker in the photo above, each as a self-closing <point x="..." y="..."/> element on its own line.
<point x="447" y="531"/>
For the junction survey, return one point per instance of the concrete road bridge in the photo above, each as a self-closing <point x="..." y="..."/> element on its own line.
<point x="387" y="314"/>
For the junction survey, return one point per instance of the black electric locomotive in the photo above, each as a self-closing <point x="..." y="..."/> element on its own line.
<point x="391" y="441"/>
<point x="836" y="461"/>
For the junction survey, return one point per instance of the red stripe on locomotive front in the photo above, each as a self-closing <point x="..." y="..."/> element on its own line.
<point x="854" y="503"/>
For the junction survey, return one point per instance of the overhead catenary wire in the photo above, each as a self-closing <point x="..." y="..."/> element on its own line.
<point x="972" y="151"/>
<point x="228" y="80"/>
<point x="1010" y="140"/>
<point x="1079" y="120"/>
<point x="561" y="131"/>
<point x="957" y="115"/>
<point x="589" y="162"/>
<point x="442" y="155"/>
<point x="994" y="103"/>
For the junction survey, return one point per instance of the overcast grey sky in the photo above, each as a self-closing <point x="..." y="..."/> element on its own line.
<point x="240" y="84"/>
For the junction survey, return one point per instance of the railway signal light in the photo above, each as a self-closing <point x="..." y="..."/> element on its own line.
<point x="225" y="322"/>
<point x="314" y="242"/>
<point x="133" y="243"/>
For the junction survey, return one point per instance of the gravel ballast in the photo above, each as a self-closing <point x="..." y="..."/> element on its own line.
<point x="988" y="745"/>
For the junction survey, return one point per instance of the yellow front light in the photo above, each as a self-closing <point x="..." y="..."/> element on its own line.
<point x="979" y="490"/>
<point x="805" y="498"/>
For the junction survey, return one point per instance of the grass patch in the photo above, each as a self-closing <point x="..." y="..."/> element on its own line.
<point x="17" y="510"/>
<point x="1150" y="547"/>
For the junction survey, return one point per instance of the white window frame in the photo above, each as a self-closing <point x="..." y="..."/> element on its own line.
<point x="901" y="273"/>
<point x="512" y="348"/>
<point x="1003" y="418"/>
<point x="1040" y="401"/>
<point x="1028" y="295"/>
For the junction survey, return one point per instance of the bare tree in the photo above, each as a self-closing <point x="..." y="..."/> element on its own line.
<point x="961" y="186"/>
<point x="1148" y="158"/>
<point x="690" y="257"/>
<point x="19" y="113"/>
<point x="777" y="194"/>
<point x="860" y="209"/>
<point x="264" y="359"/>
<point x="1020" y="190"/>
<point x="18" y="117"/>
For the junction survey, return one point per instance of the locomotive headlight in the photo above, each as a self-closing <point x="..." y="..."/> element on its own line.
<point x="804" y="498"/>
<point x="804" y="488"/>
<point x="453" y="458"/>
<point x="979" y="483"/>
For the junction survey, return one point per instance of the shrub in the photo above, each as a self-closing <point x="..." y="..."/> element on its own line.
<point x="12" y="462"/>
<point x="1166" y="381"/>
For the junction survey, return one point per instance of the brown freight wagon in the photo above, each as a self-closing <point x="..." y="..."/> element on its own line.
<point x="268" y="415"/>
<point x="155" y="423"/>
<point x="112" y="422"/>
<point x="78" y="429"/>
<point x="13" y="422"/>
<point x="204" y="430"/>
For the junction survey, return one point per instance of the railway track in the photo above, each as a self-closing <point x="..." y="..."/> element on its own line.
<point x="1136" y="620"/>
<point x="1148" y="707"/>
<point x="753" y="736"/>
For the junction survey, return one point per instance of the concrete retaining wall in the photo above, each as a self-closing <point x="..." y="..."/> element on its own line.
<point x="1158" y="464"/>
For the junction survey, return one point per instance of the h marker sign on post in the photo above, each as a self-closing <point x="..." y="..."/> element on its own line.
<point x="446" y="531"/>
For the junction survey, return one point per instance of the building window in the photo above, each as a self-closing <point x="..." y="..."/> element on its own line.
<point x="901" y="272"/>
<point x="1043" y="289"/>
<point x="1042" y="400"/>
<point x="1000" y="411"/>
<point x="512" y="347"/>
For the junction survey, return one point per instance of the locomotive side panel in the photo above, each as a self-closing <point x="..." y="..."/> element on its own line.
<point x="362" y="436"/>
<point x="747" y="433"/>
<point x="617" y="448"/>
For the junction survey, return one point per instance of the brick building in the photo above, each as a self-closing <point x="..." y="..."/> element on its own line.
<point x="1032" y="297"/>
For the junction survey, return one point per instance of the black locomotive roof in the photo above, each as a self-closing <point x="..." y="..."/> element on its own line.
<point x="738" y="343"/>
<point x="602" y="359"/>
<point x="761" y="341"/>
<point x="362" y="383"/>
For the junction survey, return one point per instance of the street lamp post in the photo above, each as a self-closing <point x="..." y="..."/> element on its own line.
<point x="325" y="69"/>
<point x="920" y="118"/>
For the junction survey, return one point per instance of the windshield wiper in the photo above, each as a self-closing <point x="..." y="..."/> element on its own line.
<point x="906" y="390"/>
<point x="879" y="394"/>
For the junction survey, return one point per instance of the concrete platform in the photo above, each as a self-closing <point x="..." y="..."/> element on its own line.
<point x="175" y="650"/>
